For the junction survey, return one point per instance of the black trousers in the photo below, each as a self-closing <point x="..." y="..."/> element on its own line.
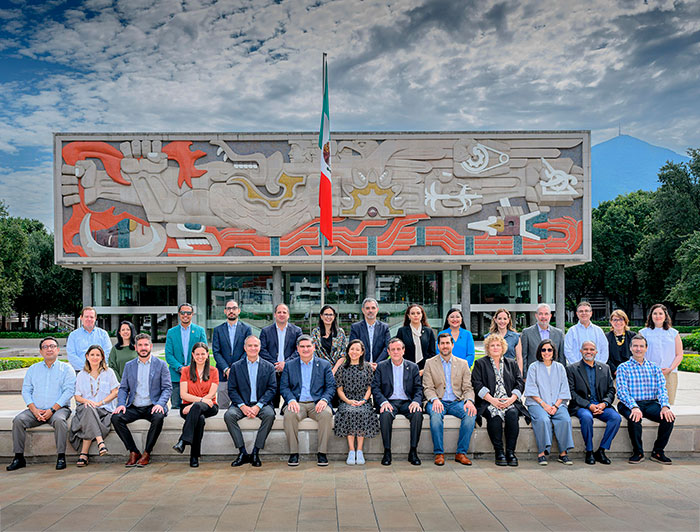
<point x="386" y="421"/>
<point x="650" y="410"/>
<point x="495" y="426"/>
<point x="193" y="428"/>
<point x="120" y="422"/>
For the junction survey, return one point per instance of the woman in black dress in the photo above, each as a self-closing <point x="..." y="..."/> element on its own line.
<point x="619" y="339"/>
<point x="417" y="336"/>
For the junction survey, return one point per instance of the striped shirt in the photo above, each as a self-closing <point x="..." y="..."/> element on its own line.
<point x="641" y="382"/>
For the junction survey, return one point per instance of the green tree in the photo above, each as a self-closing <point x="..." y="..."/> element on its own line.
<point x="686" y="291"/>
<point x="13" y="258"/>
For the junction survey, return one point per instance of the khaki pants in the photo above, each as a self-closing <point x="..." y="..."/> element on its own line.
<point x="672" y="386"/>
<point x="307" y="409"/>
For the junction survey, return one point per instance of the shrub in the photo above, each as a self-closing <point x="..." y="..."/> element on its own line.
<point x="692" y="342"/>
<point x="18" y="362"/>
<point x="690" y="363"/>
<point x="28" y="334"/>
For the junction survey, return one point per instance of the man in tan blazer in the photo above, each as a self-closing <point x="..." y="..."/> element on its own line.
<point x="456" y="400"/>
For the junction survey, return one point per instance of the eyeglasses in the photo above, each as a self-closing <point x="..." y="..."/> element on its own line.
<point x="328" y="315"/>
<point x="230" y="308"/>
<point x="186" y="312"/>
<point x="49" y="346"/>
<point x="616" y="319"/>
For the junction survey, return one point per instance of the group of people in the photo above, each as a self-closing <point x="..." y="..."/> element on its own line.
<point x="368" y="377"/>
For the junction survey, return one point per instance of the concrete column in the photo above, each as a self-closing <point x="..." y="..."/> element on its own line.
<point x="466" y="295"/>
<point x="87" y="287"/>
<point x="181" y="285"/>
<point x="371" y="282"/>
<point x="277" y="292"/>
<point x="114" y="321"/>
<point x="560" y="287"/>
<point x="154" y="328"/>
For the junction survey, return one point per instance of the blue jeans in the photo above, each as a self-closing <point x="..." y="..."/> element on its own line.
<point x="456" y="409"/>
<point x="612" y="425"/>
<point x="542" y="424"/>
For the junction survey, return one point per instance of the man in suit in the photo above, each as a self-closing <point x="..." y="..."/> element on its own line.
<point x="278" y="343"/>
<point x="592" y="395"/>
<point x="307" y="387"/>
<point x="373" y="333"/>
<point x="227" y="345"/>
<point x="532" y="336"/>
<point x="447" y="386"/>
<point x="178" y="347"/>
<point x="397" y="389"/>
<point x="251" y="387"/>
<point x="143" y="394"/>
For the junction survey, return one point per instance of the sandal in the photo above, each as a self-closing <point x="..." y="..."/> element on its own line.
<point x="82" y="462"/>
<point x="102" y="448"/>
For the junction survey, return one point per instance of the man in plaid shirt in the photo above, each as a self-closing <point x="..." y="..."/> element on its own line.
<point x="641" y="388"/>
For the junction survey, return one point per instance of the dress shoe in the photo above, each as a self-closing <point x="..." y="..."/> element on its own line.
<point x="194" y="461"/>
<point x="386" y="458"/>
<point x="180" y="446"/>
<point x="242" y="458"/>
<point x="321" y="459"/>
<point x="133" y="458"/>
<point x="660" y="457"/>
<point x="412" y="458"/>
<point x="511" y="459"/>
<point x="17" y="463"/>
<point x="61" y="462"/>
<point x="439" y="459"/>
<point x="255" y="459"/>
<point x="590" y="458"/>
<point x="501" y="459"/>
<point x="293" y="460"/>
<point x="462" y="459"/>
<point x="636" y="458"/>
<point x="599" y="456"/>
<point x="144" y="460"/>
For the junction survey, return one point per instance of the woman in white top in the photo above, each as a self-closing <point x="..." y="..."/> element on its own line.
<point x="96" y="388"/>
<point x="665" y="346"/>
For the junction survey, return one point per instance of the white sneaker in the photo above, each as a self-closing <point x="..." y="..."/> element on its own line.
<point x="360" y="458"/>
<point x="351" y="458"/>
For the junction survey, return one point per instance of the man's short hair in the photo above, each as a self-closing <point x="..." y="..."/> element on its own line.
<point x="544" y="305"/>
<point x="589" y="342"/>
<point x="584" y="304"/>
<point x="249" y="337"/>
<point x="85" y="309"/>
<point x="304" y="337"/>
<point x="278" y="306"/>
<point x="142" y="336"/>
<point x="396" y="340"/>
<point x="179" y="308"/>
<point x="231" y="301"/>
<point x="41" y="343"/>
<point x="369" y="300"/>
<point x="639" y="337"/>
<point x="446" y="335"/>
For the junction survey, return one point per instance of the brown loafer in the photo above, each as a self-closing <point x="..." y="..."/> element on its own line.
<point x="439" y="459"/>
<point x="133" y="458"/>
<point x="144" y="460"/>
<point x="462" y="459"/>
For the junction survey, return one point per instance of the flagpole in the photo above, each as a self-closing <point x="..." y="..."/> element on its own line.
<point x="323" y="239"/>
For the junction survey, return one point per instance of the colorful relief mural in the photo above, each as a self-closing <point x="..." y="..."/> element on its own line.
<point x="442" y="195"/>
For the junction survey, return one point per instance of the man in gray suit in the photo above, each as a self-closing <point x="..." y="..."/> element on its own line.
<point x="542" y="330"/>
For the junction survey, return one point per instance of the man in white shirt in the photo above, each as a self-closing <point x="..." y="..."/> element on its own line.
<point x="584" y="331"/>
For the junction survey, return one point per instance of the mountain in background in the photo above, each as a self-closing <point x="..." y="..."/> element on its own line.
<point x="624" y="164"/>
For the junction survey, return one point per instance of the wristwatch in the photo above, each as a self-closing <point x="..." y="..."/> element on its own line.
<point x="52" y="410"/>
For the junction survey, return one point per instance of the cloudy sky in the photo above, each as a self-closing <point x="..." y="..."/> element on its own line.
<point x="255" y="65"/>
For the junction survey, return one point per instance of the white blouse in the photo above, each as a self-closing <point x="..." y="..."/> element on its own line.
<point x="87" y="387"/>
<point x="662" y="345"/>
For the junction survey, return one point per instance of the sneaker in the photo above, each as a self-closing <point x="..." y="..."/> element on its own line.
<point x="321" y="459"/>
<point x="351" y="458"/>
<point x="636" y="458"/>
<point x="565" y="460"/>
<point x="293" y="460"/>
<point x="359" y="458"/>
<point x="661" y="458"/>
<point x="542" y="460"/>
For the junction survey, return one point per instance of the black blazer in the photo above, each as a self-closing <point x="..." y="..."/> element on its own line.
<point x="383" y="382"/>
<point x="224" y="353"/>
<point x="427" y="343"/>
<point x="380" y="342"/>
<point x="239" y="383"/>
<point x="268" y="342"/>
<point x="483" y="376"/>
<point x="618" y="354"/>
<point x="581" y="391"/>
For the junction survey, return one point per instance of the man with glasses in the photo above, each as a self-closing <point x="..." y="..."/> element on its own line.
<point x="47" y="390"/>
<point x="178" y="347"/>
<point x="584" y="331"/>
<point x="227" y="344"/>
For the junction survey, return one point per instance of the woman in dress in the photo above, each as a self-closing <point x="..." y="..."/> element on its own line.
<point x="463" y="339"/>
<point x="665" y="346"/>
<point x="355" y="418"/>
<point x="619" y="339"/>
<point x="328" y="338"/>
<point x="547" y="395"/>
<point x="502" y="324"/>
<point x="417" y="336"/>
<point x="198" y="386"/>
<point x="498" y="386"/>
<point x="96" y="388"/>
<point x="124" y="350"/>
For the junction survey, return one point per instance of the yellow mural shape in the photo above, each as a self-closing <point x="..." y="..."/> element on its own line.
<point x="372" y="187"/>
<point x="288" y="183"/>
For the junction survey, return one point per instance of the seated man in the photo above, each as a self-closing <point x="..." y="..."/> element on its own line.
<point x="397" y="389"/>
<point x="47" y="390"/>
<point x="642" y="391"/>
<point x="307" y="387"/>
<point x="447" y="386"/>
<point x="251" y="387"/>
<point x="143" y="394"/>
<point x="592" y="395"/>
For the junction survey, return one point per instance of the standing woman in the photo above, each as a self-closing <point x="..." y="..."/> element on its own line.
<point x="124" y="350"/>
<point x="665" y="346"/>
<point x="355" y="418"/>
<point x="463" y="339"/>
<point x="547" y="394"/>
<point x="619" y="339"/>
<point x="96" y="388"/>
<point x="328" y="338"/>
<point x="502" y="324"/>
<point x="417" y="336"/>
<point x="498" y="386"/>
<point x="198" y="386"/>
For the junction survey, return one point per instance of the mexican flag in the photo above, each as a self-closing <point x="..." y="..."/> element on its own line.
<point x="325" y="196"/>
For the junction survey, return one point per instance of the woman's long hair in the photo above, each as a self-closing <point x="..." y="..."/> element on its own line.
<point x="347" y="356"/>
<point x="193" y="364"/>
<point x="446" y="325"/>
<point x="132" y="342"/>
<point x="103" y="362"/>
<point x="494" y="325"/>
<point x="423" y="318"/>
<point x="322" y="325"/>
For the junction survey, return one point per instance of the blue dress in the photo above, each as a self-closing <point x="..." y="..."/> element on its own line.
<point x="464" y="346"/>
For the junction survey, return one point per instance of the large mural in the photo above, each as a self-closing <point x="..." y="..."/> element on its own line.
<point x="238" y="197"/>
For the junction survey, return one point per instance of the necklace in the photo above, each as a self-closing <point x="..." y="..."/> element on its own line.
<point x="620" y="340"/>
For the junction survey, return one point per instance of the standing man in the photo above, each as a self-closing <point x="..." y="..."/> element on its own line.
<point x="372" y="332"/>
<point x="47" y="389"/>
<point x="143" y="394"/>
<point x="397" y="389"/>
<point x="178" y="348"/>
<point x="307" y="387"/>
<point x="251" y="386"/>
<point x="84" y="336"/>
<point x="582" y="331"/>
<point x="592" y="396"/>
<point x="227" y="345"/>
<point x="447" y="386"/>
<point x="642" y="392"/>
<point x="278" y="343"/>
<point x="532" y="336"/>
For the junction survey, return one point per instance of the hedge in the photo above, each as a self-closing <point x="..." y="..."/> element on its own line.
<point x="690" y="363"/>
<point x="28" y="334"/>
<point x="692" y="342"/>
<point x="18" y="362"/>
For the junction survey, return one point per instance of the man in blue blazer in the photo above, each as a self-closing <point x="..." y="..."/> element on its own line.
<point x="251" y="387"/>
<point x="227" y="345"/>
<point x="373" y="333"/>
<point x="178" y="347"/>
<point x="278" y="343"/>
<point x="143" y="394"/>
<point x="307" y="387"/>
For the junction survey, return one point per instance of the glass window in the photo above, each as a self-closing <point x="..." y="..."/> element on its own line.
<point x="101" y="282"/>
<point x="396" y="290"/>
<point x="252" y="291"/>
<point x="148" y="289"/>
